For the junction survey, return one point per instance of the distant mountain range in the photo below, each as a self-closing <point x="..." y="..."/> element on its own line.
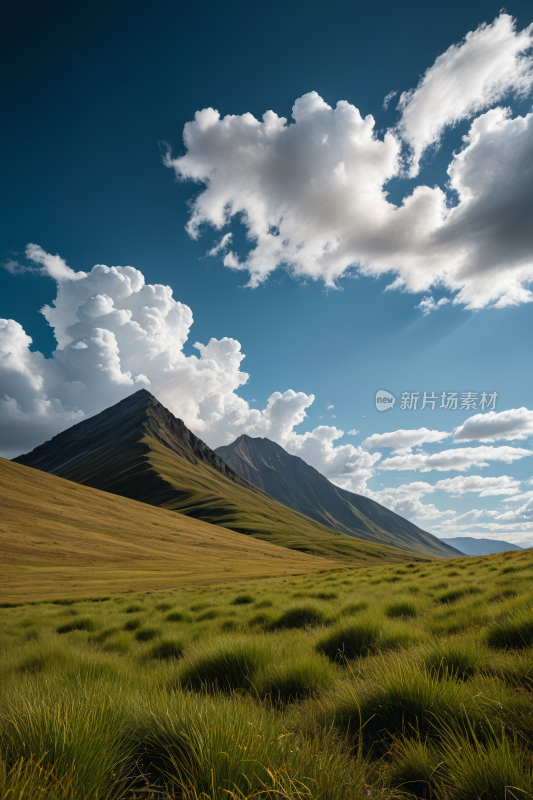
<point x="138" y="449"/>
<point x="299" y="486"/>
<point x="479" y="547"/>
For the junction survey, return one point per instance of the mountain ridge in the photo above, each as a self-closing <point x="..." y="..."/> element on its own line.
<point x="139" y="450"/>
<point x="471" y="546"/>
<point x="117" y="423"/>
<point x="290" y="480"/>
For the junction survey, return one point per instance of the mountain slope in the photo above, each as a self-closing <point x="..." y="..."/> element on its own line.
<point x="479" y="547"/>
<point x="59" y="538"/>
<point x="297" y="485"/>
<point x="138" y="449"/>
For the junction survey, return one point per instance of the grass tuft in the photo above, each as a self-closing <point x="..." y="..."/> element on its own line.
<point x="459" y="659"/>
<point x="133" y="624"/>
<point x="175" y="616"/>
<point x="146" y="634"/>
<point x="402" y="608"/>
<point x="514" y="632"/>
<point x="242" y="600"/>
<point x="453" y="595"/>
<point x="414" y="770"/>
<point x="77" y="624"/>
<point x="167" y="649"/>
<point x="296" y="678"/>
<point x="303" y="616"/>
<point x="350" y="640"/>
<point x="231" y="666"/>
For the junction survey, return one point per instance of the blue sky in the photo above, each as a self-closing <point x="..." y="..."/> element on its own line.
<point x="96" y="98"/>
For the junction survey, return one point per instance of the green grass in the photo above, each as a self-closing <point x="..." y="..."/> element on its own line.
<point x="514" y="631"/>
<point x="296" y="678"/>
<point x="81" y="624"/>
<point x="227" y="667"/>
<point x="300" y="617"/>
<point x="242" y="600"/>
<point x="415" y="767"/>
<point x="350" y="640"/>
<point x="453" y="595"/>
<point x="362" y="684"/>
<point x="402" y="609"/>
<point x="167" y="649"/>
<point x="146" y="634"/>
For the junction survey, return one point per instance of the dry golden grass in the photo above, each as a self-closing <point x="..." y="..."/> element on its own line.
<point x="60" y="538"/>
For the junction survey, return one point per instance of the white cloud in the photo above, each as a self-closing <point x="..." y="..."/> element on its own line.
<point x="490" y="63"/>
<point x="484" y="487"/>
<point x="407" y="498"/>
<point x="330" y="406"/>
<point x="406" y="501"/>
<point x="460" y="459"/>
<point x="524" y="512"/>
<point x="353" y="432"/>
<point x="116" y="334"/>
<point x="513" y="424"/>
<point x="222" y="245"/>
<point x="403" y="440"/>
<point x="519" y="498"/>
<point x="54" y="266"/>
<point x="428" y="304"/>
<point x="312" y="194"/>
<point x="387" y="99"/>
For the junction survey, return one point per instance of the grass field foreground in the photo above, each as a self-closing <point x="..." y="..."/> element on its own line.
<point x="405" y="681"/>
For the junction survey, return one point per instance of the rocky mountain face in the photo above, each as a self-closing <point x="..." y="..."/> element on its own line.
<point x="479" y="547"/>
<point x="140" y="414"/>
<point x="299" y="486"/>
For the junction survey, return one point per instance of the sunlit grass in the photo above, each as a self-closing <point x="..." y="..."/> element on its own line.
<point x="303" y="688"/>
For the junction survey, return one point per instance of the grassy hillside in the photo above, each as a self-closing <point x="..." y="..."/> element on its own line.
<point x="149" y="471"/>
<point x="138" y="449"/>
<point x="398" y="682"/>
<point x="60" y="538"/>
<point x="203" y="493"/>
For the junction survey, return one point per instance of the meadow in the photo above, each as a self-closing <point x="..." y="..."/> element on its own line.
<point x="411" y="680"/>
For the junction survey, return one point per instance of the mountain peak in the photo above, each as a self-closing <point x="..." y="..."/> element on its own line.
<point x="301" y="487"/>
<point x="128" y="422"/>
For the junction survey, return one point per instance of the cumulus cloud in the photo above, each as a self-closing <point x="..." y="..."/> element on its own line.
<point x="484" y="487"/>
<point x="407" y="498"/>
<point x="116" y="334"/>
<point x="312" y="194"/>
<point x="523" y="512"/>
<point x="403" y="440"/>
<point x="460" y="459"/>
<point x="428" y="304"/>
<point x="490" y="63"/>
<point x="513" y="424"/>
<point x="406" y="501"/>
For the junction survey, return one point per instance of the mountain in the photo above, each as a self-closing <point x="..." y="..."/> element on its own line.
<point x="479" y="547"/>
<point x="59" y="539"/>
<point x="301" y="487"/>
<point x="138" y="449"/>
